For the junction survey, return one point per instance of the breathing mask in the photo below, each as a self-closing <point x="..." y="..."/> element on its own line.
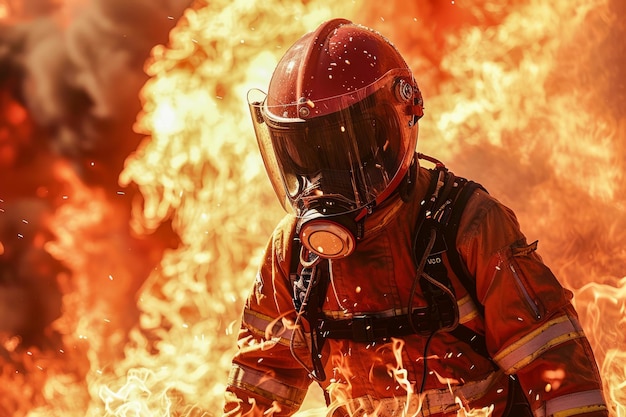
<point x="331" y="168"/>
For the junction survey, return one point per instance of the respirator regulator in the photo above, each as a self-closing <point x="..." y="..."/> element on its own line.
<point x="329" y="228"/>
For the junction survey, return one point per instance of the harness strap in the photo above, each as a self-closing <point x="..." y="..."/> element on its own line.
<point x="450" y="235"/>
<point x="441" y="212"/>
<point x="309" y="282"/>
<point x="448" y="196"/>
<point x="369" y="329"/>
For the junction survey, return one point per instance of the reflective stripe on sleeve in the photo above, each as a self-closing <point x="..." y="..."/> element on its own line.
<point x="265" y="385"/>
<point x="573" y="404"/>
<point x="270" y="328"/>
<point x="522" y="352"/>
<point x="467" y="309"/>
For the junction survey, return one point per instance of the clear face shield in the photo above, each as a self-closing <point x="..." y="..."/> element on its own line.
<point x="334" y="157"/>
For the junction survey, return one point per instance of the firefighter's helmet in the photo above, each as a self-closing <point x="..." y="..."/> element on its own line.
<point x="338" y="127"/>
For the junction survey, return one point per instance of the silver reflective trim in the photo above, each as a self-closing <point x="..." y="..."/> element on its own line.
<point x="263" y="384"/>
<point x="524" y="351"/>
<point x="265" y="325"/>
<point x="431" y="402"/>
<point x="577" y="403"/>
<point x="467" y="309"/>
<point x="270" y="328"/>
<point x="438" y="401"/>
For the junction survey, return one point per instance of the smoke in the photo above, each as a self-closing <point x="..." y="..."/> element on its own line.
<point x="79" y="71"/>
<point x="71" y="74"/>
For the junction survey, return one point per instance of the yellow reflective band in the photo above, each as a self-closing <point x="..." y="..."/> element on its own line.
<point x="573" y="404"/>
<point x="264" y="385"/>
<point x="580" y="410"/>
<point x="467" y="309"/>
<point x="528" y="348"/>
<point x="260" y="324"/>
<point x="430" y="402"/>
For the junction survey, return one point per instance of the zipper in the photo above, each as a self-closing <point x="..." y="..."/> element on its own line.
<point x="529" y="300"/>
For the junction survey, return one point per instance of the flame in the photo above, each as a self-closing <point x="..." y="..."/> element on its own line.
<point x="487" y="109"/>
<point x="605" y="307"/>
<point x="198" y="168"/>
<point x="519" y="96"/>
<point x="464" y="412"/>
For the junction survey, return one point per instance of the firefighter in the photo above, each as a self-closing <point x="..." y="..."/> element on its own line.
<point x="363" y="289"/>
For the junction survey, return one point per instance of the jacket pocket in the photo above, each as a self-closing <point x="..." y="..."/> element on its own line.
<point x="520" y="251"/>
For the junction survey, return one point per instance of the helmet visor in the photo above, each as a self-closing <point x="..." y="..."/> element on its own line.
<point x="347" y="148"/>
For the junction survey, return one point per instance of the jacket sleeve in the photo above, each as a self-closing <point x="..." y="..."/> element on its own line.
<point x="265" y="377"/>
<point x="532" y="329"/>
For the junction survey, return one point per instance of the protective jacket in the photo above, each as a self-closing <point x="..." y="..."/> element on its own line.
<point x="531" y="329"/>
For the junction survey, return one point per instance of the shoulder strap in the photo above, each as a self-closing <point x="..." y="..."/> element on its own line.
<point x="474" y="340"/>
<point x="445" y="210"/>
<point x="517" y="403"/>
<point x="457" y="264"/>
<point x="309" y="279"/>
<point x="443" y="213"/>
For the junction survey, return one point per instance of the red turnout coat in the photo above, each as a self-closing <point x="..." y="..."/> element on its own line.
<point x="530" y="326"/>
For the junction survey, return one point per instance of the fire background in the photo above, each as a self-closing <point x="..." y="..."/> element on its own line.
<point x="134" y="204"/>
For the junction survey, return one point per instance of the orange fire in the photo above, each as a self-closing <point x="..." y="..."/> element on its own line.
<point x="518" y="97"/>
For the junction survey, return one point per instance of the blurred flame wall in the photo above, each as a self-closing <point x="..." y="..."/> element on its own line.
<point x="510" y="92"/>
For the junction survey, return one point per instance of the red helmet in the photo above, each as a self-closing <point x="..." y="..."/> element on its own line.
<point x="339" y="121"/>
